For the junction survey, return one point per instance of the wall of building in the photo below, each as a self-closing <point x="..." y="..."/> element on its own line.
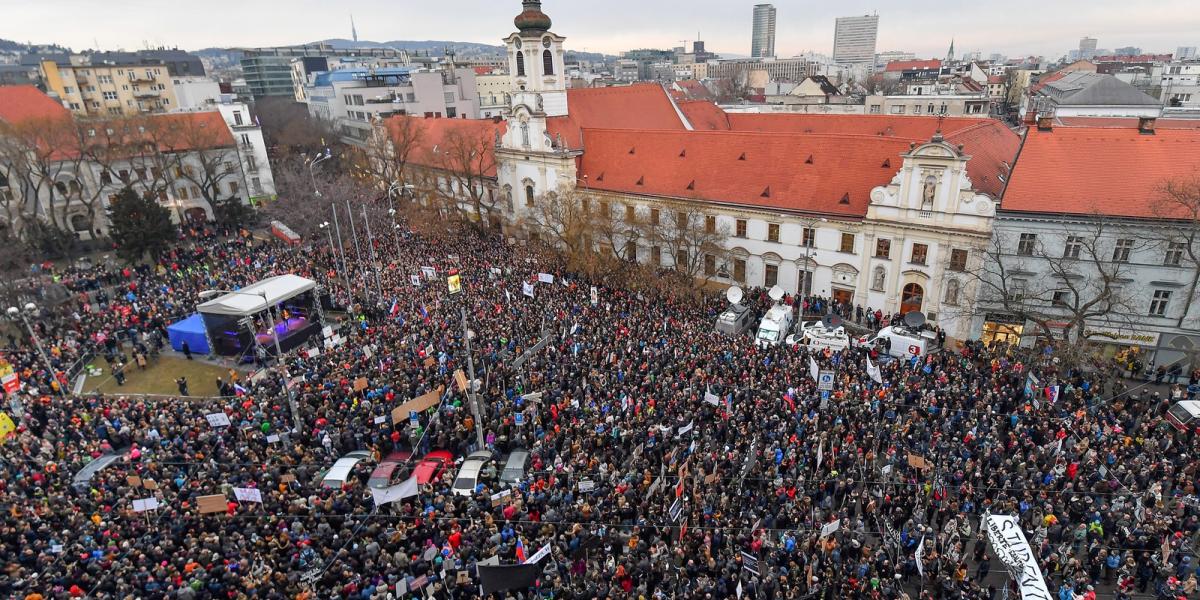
<point x="193" y="93"/>
<point x="954" y="106"/>
<point x="110" y="90"/>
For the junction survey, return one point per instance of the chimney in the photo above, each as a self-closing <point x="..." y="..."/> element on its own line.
<point x="1031" y="116"/>
<point x="1045" y="123"/>
<point x="1146" y="125"/>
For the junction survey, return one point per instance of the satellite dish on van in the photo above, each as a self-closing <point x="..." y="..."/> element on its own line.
<point x="831" y="322"/>
<point x="734" y="294"/>
<point x="776" y="293"/>
<point x="914" y="319"/>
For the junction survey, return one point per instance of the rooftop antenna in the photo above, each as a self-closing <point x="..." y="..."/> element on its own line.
<point x="353" y="30"/>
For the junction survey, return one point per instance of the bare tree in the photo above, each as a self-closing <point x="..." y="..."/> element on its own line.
<point x="1177" y="205"/>
<point x="384" y="158"/>
<point x="43" y="165"/>
<point x="208" y="155"/>
<point x="289" y="129"/>
<point x="696" y="242"/>
<point x="1059" y="290"/>
<point x="468" y="162"/>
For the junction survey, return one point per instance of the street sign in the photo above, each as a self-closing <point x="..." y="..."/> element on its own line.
<point x="413" y="418"/>
<point x="825" y="381"/>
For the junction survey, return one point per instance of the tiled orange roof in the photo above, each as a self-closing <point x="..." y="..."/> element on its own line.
<point x="822" y="174"/>
<point x="641" y="106"/>
<point x="438" y="143"/>
<point x="705" y="116"/>
<point x="912" y="65"/>
<point x="24" y="102"/>
<point x="1099" y="171"/>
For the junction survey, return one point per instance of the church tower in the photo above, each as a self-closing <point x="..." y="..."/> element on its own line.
<point x="536" y="63"/>
<point x="538" y="83"/>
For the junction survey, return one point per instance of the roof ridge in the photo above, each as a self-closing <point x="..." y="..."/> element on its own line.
<point x="761" y="133"/>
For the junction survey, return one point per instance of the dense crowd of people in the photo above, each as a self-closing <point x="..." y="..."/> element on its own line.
<point x="710" y="465"/>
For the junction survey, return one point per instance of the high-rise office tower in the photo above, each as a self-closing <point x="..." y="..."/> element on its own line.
<point x="1087" y="48"/>
<point x="762" y="43"/>
<point x="854" y="40"/>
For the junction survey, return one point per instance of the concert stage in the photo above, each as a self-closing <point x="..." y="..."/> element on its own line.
<point x="238" y="323"/>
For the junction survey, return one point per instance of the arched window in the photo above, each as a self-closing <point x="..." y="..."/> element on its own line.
<point x="547" y="62"/>
<point x="879" y="279"/>
<point x="952" y="292"/>
<point x="529" y="195"/>
<point x="61" y="186"/>
<point x="520" y="64"/>
<point x="80" y="223"/>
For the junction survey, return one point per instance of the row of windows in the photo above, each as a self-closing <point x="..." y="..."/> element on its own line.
<point x="1073" y="247"/>
<point x="1160" y="300"/>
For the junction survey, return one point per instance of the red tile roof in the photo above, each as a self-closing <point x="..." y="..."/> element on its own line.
<point x="989" y="142"/>
<point x="1099" y="171"/>
<point x="437" y="143"/>
<point x="705" y="116"/>
<point x="24" y="102"/>
<point x="912" y="65"/>
<point x="642" y="106"/>
<point x="776" y="171"/>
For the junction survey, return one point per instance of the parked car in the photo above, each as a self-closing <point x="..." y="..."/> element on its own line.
<point x="394" y="466"/>
<point x="432" y="466"/>
<point x="337" y="475"/>
<point x="514" y="467"/>
<point x="468" y="474"/>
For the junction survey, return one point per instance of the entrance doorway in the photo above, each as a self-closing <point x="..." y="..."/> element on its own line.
<point x="197" y="216"/>
<point x="912" y="298"/>
<point x="841" y="296"/>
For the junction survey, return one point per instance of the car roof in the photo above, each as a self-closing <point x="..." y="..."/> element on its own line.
<point x="340" y="470"/>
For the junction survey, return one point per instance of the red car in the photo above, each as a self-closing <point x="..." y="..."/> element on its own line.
<point x="433" y="466"/>
<point x="382" y="476"/>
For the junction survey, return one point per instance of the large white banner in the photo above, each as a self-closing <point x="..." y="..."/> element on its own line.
<point x="1011" y="547"/>
<point x="396" y="492"/>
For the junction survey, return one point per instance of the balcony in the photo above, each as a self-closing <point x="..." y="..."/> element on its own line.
<point x="146" y="94"/>
<point x="135" y="79"/>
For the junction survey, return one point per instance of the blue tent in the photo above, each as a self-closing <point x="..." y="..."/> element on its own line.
<point x="190" y="330"/>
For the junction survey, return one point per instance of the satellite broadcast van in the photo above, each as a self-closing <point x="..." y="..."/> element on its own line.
<point x="904" y="340"/>
<point x="777" y="322"/>
<point x="828" y="333"/>
<point x="737" y="318"/>
<point x="1184" y="415"/>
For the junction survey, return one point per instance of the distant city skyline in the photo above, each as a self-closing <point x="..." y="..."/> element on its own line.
<point x="923" y="27"/>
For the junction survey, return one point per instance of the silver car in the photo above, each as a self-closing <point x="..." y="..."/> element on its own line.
<point x="468" y="474"/>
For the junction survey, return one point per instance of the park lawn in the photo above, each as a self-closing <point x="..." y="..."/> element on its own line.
<point x="159" y="377"/>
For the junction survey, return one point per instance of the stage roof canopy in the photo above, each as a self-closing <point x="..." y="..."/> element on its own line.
<point x="249" y="300"/>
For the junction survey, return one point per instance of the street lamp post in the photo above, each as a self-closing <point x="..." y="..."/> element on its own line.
<point x="16" y="314"/>
<point x="806" y="279"/>
<point x="292" y="404"/>
<point x="329" y="231"/>
<point x="408" y="187"/>
<point x="472" y="397"/>
<point x="312" y="164"/>
<point x="374" y="258"/>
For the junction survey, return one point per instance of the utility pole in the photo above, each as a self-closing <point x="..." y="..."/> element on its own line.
<point x="472" y="397"/>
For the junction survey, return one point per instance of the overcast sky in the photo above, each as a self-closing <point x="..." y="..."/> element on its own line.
<point x="925" y="27"/>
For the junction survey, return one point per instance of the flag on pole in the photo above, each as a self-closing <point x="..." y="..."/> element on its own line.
<point x="395" y="307"/>
<point x="424" y="313"/>
<point x="239" y="390"/>
<point x="520" y="551"/>
<point x="873" y="371"/>
<point x="820" y="453"/>
<point x="920" y="557"/>
<point x="813" y="369"/>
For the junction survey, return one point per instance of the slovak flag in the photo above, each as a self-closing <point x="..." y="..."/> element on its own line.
<point x="395" y="307"/>
<point x="520" y="551"/>
<point x="424" y="313"/>
<point x="241" y="391"/>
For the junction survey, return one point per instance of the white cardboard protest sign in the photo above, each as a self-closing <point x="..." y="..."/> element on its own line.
<point x="545" y="278"/>
<point x="145" y="504"/>
<point x="248" y="495"/>
<point x="218" y="419"/>
<point x="829" y="529"/>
